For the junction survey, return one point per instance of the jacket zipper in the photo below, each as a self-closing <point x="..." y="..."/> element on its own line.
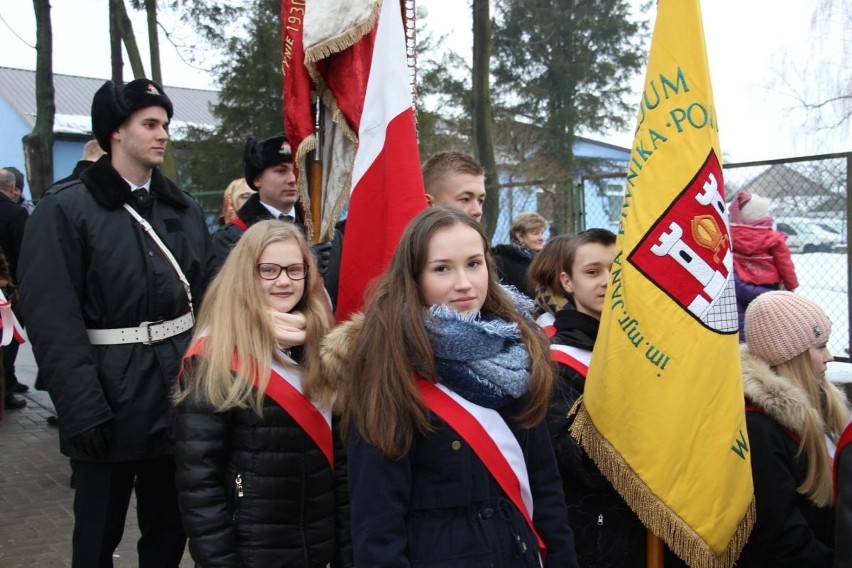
<point x="239" y="482"/>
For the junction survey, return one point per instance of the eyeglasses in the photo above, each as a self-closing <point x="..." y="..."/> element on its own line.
<point x="271" y="271"/>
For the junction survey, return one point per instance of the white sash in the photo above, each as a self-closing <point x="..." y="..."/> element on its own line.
<point x="499" y="431"/>
<point x="582" y="355"/>
<point x="294" y="377"/>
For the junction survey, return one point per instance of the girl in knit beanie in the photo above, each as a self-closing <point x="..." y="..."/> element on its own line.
<point x="762" y="259"/>
<point x="794" y="417"/>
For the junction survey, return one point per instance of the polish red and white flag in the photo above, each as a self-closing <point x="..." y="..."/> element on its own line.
<point x="356" y="54"/>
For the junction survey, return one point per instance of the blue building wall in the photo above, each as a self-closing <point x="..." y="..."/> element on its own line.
<point x="66" y="152"/>
<point x="601" y="200"/>
<point x="11" y="147"/>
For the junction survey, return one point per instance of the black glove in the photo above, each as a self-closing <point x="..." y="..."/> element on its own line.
<point x="322" y="252"/>
<point x="93" y="443"/>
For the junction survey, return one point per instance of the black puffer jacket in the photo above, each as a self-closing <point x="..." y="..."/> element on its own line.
<point x="87" y="264"/>
<point x="607" y="533"/>
<point x="513" y="262"/>
<point x="791" y="531"/>
<point x="293" y="512"/>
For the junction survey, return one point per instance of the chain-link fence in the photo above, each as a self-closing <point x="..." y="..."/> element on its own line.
<point x="809" y="200"/>
<point x="810" y="203"/>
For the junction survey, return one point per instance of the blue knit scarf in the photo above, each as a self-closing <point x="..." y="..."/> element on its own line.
<point x="480" y="358"/>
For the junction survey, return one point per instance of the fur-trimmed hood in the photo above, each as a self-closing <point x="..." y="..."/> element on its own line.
<point x="780" y="399"/>
<point x="337" y="347"/>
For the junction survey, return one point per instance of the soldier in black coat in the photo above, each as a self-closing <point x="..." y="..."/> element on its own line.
<point x="110" y="317"/>
<point x="268" y="166"/>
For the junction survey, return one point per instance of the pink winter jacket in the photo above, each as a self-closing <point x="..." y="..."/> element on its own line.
<point x="761" y="256"/>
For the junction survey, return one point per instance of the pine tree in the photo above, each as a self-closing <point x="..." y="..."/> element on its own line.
<point x="248" y="35"/>
<point x="565" y="66"/>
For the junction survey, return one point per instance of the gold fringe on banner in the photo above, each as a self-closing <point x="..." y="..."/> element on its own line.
<point x="344" y="40"/>
<point x="308" y="145"/>
<point x="314" y="54"/>
<point x="653" y="513"/>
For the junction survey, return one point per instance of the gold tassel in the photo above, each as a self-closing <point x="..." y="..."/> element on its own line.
<point x="653" y="513"/>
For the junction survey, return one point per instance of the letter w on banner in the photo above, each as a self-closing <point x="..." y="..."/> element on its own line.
<point x="355" y="53"/>
<point x="663" y="411"/>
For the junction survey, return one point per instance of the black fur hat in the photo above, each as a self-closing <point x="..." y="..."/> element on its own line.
<point x="258" y="156"/>
<point x="112" y="105"/>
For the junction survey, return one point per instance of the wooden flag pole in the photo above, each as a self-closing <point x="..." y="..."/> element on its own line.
<point x="655" y="551"/>
<point x="315" y="175"/>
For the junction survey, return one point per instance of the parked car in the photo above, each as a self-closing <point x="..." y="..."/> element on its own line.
<point x="833" y="226"/>
<point x="805" y="235"/>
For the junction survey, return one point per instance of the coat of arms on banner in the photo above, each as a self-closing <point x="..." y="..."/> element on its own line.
<point x="687" y="252"/>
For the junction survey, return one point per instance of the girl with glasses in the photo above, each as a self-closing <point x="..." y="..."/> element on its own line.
<point x="261" y="472"/>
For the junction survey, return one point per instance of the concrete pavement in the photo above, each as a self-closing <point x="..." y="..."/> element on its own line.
<point x="36" y="503"/>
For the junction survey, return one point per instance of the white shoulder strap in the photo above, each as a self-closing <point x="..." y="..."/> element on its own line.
<point x="146" y="226"/>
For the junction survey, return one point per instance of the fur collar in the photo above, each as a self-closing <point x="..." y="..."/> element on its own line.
<point x="253" y="211"/>
<point x="336" y="348"/>
<point x="780" y="399"/>
<point x="110" y="190"/>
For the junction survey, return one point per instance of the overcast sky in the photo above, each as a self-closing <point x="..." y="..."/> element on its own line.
<point x="749" y="43"/>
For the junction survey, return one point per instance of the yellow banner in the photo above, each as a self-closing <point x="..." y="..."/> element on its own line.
<point x="663" y="411"/>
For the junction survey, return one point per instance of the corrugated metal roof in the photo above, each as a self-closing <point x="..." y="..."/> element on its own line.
<point x="74" y="97"/>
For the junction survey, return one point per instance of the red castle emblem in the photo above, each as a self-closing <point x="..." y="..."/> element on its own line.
<point x="687" y="253"/>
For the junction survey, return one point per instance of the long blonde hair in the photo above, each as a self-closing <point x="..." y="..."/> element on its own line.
<point x="234" y="323"/>
<point x="236" y="187"/>
<point x="827" y="415"/>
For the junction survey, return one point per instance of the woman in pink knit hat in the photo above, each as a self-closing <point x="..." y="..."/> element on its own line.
<point x="794" y="417"/>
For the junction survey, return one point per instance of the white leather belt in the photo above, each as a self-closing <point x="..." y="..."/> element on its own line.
<point x="148" y="332"/>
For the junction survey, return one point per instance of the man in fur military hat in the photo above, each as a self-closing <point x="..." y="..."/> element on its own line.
<point x="268" y="168"/>
<point x="111" y="266"/>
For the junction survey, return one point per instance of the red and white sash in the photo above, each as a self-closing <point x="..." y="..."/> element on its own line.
<point x="845" y="440"/>
<point x="491" y="440"/>
<point x="285" y="388"/>
<point x="546" y="322"/>
<point x="572" y="357"/>
<point x="11" y="325"/>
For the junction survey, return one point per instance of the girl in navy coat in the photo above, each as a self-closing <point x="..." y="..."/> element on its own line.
<point x="450" y="463"/>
